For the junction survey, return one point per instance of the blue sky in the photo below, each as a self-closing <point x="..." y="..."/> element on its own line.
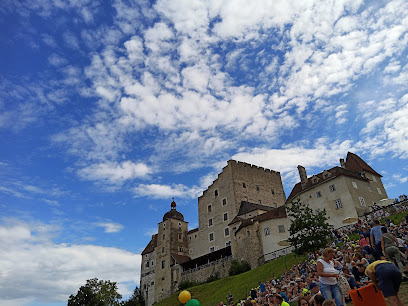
<point x="109" y="109"/>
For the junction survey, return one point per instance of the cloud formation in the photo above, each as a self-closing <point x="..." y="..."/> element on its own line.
<point x="28" y="253"/>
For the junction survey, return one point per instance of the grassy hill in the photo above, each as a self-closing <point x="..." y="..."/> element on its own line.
<point x="239" y="285"/>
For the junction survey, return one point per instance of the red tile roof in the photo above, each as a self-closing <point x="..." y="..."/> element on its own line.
<point x="356" y="164"/>
<point x="275" y="213"/>
<point x="334" y="172"/>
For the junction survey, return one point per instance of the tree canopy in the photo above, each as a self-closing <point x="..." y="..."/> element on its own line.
<point x="309" y="229"/>
<point x="96" y="293"/>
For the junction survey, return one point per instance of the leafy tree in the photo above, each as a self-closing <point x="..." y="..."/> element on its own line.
<point x="96" y="293"/>
<point x="136" y="299"/>
<point x="309" y="230"/>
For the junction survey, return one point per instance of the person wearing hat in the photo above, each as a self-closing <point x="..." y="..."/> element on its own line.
<point x="315" y="290"/>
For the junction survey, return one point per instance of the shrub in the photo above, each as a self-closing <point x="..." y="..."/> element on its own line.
<point x="187" y="284"/>
<point x="239" y="267"/>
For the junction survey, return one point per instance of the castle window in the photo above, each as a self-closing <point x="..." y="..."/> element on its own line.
<point x="226" y="231"/>
<point x="211" y="236"/>
<point x="179" y="236"/>
<point x="228" y="243"/>
<point x="152" y="283"/>
<point x="210" y="222"/>
<point x="146" y="255"/>
<point x="216" y="192"/>
<point x="189" y="238"/>
<point x="273" y="191"/>
<point x="181" y="249"/>
<point x="332" y="188"/>
<point x="315" y="180"/>
<point x="224" y="201"/>
<point x="212" y="249"/>
<point x="162" y="249"/>
<point x="164" y="226"/>
<point x="195" y="236"/>
<point x="179" y="224"/>
<point x="152" y="263"/>
<point x="163" y="264"/>
<point x="354" y="184"/>
<point x="164" y="236"/>
<point x="267" y="231"/>
<point x="362" y="202"/>
<point x="337" y="204"/>
<point x="275" y="205"/>
<point x="259" y="202"/>
<point x="379" y="190"/>
<point x="326" y="175"/>
<point x="374" y="178"/>
<point x="257" y="188"/>
<point x="225" y="216"/>
<point x="281" y="228"/>
<point x="318" y="194"/>
<point x="209" y="208"/>
<point x="243" y="185"/>
<point x="147" y="264"/>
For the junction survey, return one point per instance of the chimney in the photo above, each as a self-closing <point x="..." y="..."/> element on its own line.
<point x="342" y="163"/>
<point x="303" y="175"/>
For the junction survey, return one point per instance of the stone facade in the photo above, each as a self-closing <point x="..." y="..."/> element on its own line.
<point x="220" y="266"/>
<point x="220" y="203"/>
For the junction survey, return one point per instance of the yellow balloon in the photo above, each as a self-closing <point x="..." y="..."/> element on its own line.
<point x="184" y="296"/>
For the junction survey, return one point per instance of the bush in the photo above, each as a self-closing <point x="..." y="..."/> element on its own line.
<point x="239" y="267"/>
<point x="187" y="284"/>
<point x="215" y="275"/>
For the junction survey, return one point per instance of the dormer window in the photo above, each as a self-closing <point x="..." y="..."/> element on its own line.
<point x="314" y="180"/>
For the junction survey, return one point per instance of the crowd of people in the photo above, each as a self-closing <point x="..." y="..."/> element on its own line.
<point x="379" y="257"/>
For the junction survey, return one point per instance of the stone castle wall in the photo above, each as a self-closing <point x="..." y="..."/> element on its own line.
<point x="201" y="273"/>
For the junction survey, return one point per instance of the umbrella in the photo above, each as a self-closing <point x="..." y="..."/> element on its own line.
<point x="350" y="220"/>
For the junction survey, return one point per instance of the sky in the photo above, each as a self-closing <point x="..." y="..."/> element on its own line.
<point x="108" y="109"/>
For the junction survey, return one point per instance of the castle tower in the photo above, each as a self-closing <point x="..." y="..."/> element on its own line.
<point x="171" y="245"/>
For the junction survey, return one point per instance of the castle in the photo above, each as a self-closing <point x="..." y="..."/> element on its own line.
<point x="242" y="216"/>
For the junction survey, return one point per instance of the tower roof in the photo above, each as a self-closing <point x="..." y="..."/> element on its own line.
<point x="173" y="213"/>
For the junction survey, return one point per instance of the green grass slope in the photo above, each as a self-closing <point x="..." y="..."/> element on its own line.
<point x="239" y="285"/>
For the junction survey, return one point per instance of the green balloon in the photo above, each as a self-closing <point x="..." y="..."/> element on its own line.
<point x="193" y="302"/>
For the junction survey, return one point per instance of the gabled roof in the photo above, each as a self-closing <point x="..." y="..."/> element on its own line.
<point x="192" y="231"/>
<point x="235" y="220"/>
<point x="334" y="172"/>
<point x="356" y="164"/>
<point x="247" y="207"/>
<point x="275" y="213"/>
<point x="151" y="245"/>
<point x="180" y="258"/>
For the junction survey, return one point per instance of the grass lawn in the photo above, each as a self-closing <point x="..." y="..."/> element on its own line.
<point x="239" y="285"/>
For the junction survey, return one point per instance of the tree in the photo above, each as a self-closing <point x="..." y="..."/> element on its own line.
<point x="96" y="293"/>
<point x="136" y="299"/>
<point x="309" y="230"/>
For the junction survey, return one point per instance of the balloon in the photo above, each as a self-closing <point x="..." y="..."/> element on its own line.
<point x="184" y="296"/>
<point x="193" y="302"/>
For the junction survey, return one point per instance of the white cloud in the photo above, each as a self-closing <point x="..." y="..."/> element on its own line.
<point x="56" y="60"/>
<point x="71" y="40"/>
<point x="324" y="153"/>
<point x="35" y="269"/>
<point x="158" y="191"/>
<point x="115" y="172"/>
<point x="110" y="227"/>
